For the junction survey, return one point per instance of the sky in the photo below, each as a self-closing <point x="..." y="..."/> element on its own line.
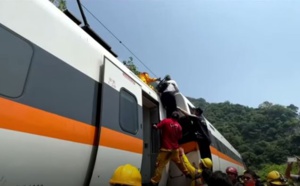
<point x="242" y="51"/>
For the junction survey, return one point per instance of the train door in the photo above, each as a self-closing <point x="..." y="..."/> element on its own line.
<point x="195" y="142"/>
<point x="151" y="137"/>
<point x="121" y="134"/>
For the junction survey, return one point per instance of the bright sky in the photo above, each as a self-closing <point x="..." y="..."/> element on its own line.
<point x="242" y="51"/>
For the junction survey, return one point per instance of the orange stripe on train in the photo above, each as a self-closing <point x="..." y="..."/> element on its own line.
<point x="23" y="118"/>
<point x="224" y="156"/>
<point x="192" y="146"/>
<point x="114" y="139"/>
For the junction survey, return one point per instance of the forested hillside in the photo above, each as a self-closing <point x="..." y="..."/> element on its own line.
<point x="263" y="135"/>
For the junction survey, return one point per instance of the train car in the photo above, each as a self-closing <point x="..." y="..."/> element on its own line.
<point x="71" y="112"/>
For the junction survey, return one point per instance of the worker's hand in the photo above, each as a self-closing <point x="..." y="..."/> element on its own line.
<point x="198" y="175"/>
<point x="158" y="79"/>
<point x="154" y="126"/>
<point x="179" y="108"/>
<point x="298" y="161"/>
<point x="198" y="135"/>
<point x="181" y="151"/>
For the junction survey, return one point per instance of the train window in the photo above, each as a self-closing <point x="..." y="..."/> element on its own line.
<point x="213" y="141"/>
<point x="191" y="109"/>
<point x="128" y="112"/>
<point x="221" y="147"/>
<point x="211" y="127"/>
<point x="15" y="59"/>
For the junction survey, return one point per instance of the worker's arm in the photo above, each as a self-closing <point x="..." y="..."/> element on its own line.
<point x="298" y="168"/>
<point x="187" y="164"/>
<point x="288" y="170"/>
<point x="185" y="112"/>
<point x="151" y="80"/>
<point x="182" y="111"/>
<point x="160" y="124"/>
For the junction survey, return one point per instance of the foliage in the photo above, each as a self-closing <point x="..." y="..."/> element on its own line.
<point x="61" y="4"/>
<point x="264" y="136"/>
<point x="270" y="167"/>
<point x="199" y="102"/>
<point x="129" y="64"/>
<point x="280" y="168"/>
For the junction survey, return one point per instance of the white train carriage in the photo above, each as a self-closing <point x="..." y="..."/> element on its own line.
<point x="70" y="111"/>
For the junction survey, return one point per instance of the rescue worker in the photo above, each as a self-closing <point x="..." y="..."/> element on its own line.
<point x="250" y="178"/>
<point x="194" y="128"/>
<point x="194" y="172"/>
<point x="171" y="133"/>
<point x="295" y="178"/>
<point x="218" y="178"/>
<point x="275" y="178"/>
<point x="144" y="76"/>
<point x="198" y="111"/>
<point x="168" y="95"/>
<point x="126" y="175"/>
<point x="233" y="176"/>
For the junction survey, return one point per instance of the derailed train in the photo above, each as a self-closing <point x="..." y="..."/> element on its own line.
<point x="71" y="112"/>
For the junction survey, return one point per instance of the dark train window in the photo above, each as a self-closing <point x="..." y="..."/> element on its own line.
<point x="213" y="140"/>
<point x="211" y="127"/>
<point x="15" y="59"/>
<point x="128" y="112"/>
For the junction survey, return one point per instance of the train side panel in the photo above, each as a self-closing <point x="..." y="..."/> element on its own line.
<point x="121" y="139"/>
<point x="48" y="96"/>
<point x="47" y="116"/>
<point x="70" y="112"/>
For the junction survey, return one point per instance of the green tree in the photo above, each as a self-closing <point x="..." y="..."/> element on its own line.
<point x="129" y="64"/>
<point x="293" y="108"/>
<point x="199" y="102"/>
<point x="264" y="136"/>
<point x="271" y="167"/>
<point x="265" y="104"/>
<point x="61" y="4"/>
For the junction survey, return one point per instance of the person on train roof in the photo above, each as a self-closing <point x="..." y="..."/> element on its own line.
<point x="170" y="88"/>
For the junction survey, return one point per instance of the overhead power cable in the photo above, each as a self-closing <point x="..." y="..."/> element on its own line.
<point x="118" y="39"/>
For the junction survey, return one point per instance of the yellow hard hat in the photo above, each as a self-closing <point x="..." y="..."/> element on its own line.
<point x="275" y="178"/>
<point x="207" y="162"/>
<point x="126" y="175"/>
